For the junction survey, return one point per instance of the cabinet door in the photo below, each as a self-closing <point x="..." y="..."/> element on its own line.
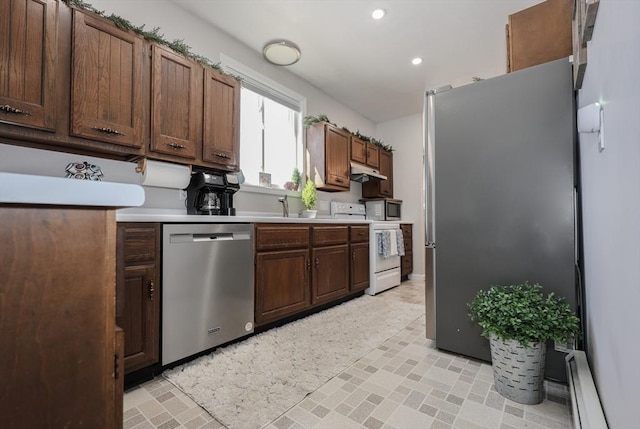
<point x="337" y="157"/>
<point x="28" y="53"/>
<point x="359" y="266"/>
<point x="57" y="335"/>
<point x="138" y="315"/>
<point x="282" y="284"/>
<point x="106" y="88"/>
<point x="330" y="273"/>
<point x="383" y="188"/>
<point x="138" y="293"/>
<point x="358" y="150"/>
<point x="173" y="104"/>
<point x="373" y="155"/>
<point x="221" y="120"/>
<point x="539" y="34"/>
<point x="386" y="169"/>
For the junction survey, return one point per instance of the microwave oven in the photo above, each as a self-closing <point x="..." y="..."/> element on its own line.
<point x="385" y="209"/>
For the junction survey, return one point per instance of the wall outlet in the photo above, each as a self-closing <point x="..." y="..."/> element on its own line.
<point x="182" y="194"/>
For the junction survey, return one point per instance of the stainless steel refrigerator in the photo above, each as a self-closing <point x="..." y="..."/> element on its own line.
<point x="499" y="180"/>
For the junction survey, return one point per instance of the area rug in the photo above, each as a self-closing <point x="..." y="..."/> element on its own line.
<point x="249" y="384"/>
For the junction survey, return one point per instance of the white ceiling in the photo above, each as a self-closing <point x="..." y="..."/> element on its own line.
<point x="366" y="64"/>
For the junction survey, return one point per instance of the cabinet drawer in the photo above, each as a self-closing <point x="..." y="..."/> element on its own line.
<point x="280" y="237"/>
<point x="138" y="243"/>
<point x="406" y="229"/>
<point x="327" y="235"/>
<point x="359" y="233"/>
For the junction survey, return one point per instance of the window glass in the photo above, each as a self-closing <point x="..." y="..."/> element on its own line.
<point x="270" y="140"/>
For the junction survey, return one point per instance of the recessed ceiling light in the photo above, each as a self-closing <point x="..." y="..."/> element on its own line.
<point x="416" y="61"/>
<point x="281" y="53"/>
<point x="378" y="13"/>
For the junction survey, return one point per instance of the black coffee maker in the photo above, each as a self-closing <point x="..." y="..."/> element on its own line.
<point x="211" y="193"/>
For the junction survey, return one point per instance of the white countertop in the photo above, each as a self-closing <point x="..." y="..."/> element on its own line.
<point x="167" y="216"/>
<point x="30" y="189"/>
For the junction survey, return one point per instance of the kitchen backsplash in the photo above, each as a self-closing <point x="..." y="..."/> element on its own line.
<point x="23" y="160"/>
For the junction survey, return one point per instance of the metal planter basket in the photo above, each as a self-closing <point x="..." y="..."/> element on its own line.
<point x="518" y="371"/>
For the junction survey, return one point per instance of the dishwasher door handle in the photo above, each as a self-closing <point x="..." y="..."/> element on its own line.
<point x="198" y="238"/>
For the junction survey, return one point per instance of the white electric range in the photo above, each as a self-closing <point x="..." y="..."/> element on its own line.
<point x="384" y="272"/>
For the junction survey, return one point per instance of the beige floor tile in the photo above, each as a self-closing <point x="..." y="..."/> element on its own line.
<point x="405" y="417"/>
<point x="479" y="414"/>
<point x="136" y="397"/>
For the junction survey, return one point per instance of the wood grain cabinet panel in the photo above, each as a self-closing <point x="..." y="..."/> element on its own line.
<point x="359" y="266"/>
<point x="327" y="235"/>
<point x="539" y="34"/>
<point x="364" y="152"/>
<point x="28" y="58"/>
<point x="382" y="188"/>
<point x="57" y="318"/>
<point x="220" y="145"/>
<point x="138" y="293"/>
<point x="174" y="103"/>
<point x="106" y="90"/>
<point x="330" y="273"/>
<point x="406" y="261"/>
<point x="282" y="284"/>
<point x="328" y="149"/>
<point x="270" y="237"/>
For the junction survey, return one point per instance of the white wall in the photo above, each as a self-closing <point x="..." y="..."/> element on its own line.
<point x="611" y="211"/>
<point x="405" y="135"/>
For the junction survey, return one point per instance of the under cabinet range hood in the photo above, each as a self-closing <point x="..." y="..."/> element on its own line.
<point x="362" y="173"/>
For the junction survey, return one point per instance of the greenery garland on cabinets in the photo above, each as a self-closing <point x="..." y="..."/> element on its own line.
<point x="310" y="120"/>
<point x="153" y="35"/>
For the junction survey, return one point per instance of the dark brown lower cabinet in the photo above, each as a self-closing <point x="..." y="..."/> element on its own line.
<point x="138" y="293"/>
<point x="359" y="266"/>
<point x="58" y="340"/>
<point x="282" y="284"/>
<point x="406" y="261"/>
<point x="330" y="273"/>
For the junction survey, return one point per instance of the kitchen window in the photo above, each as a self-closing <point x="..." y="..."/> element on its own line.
<point x="270" y="128"/>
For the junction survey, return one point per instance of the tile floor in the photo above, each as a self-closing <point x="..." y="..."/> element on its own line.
<point x="405" y="383"/>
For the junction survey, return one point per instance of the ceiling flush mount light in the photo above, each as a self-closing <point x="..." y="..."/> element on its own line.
<point x="281" y="53"/>
<point x="378" y="13"/>
<point x="416" y="61"/>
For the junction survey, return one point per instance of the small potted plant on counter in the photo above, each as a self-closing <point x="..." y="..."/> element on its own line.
<point x="308" y="196"/>
<point x="295" y="178"/>
<point x="519" y="320"/>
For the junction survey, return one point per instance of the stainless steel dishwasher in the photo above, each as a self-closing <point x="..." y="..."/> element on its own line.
<point x="207" y="287"/>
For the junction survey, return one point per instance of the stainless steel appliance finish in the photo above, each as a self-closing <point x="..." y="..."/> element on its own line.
<point x="499" y="197"/>
<point x="340" y="210"/>
<point x="384" y="209"/>
<point x="207" y="285"/>
<point x="362" y="173"/>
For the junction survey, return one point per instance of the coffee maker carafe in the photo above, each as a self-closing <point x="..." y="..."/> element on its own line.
<point x="211" y="193"/>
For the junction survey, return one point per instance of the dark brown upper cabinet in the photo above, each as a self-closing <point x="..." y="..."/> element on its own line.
<point x="220" y="144"/>
<point x="364" y="152"/>
<point x="174" y="103"/>
<point x="328" y="157"/>
<point x="106" y="90"/>
<point x="28" y="55"/>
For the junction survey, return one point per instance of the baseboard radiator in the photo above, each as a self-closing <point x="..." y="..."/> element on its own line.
<point x="587" y="410"/>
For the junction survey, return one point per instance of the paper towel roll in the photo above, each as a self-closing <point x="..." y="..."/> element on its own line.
<point x="165" y="175"/>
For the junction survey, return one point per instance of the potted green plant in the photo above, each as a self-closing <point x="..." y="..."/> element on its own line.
<point x="295" y="178"/>
<point x="308" y="196"/>
<point x="519" y="320"/>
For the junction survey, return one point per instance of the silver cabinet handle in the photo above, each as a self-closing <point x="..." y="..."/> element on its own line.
<point x="109" y="131"/>
<point x="176" y="146"/>
<point x="8" y="109"/>
<point x="222" y="155"/>
<point x="151" y="290"/>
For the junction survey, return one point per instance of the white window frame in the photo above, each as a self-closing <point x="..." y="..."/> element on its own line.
<point x="269" y="88"/>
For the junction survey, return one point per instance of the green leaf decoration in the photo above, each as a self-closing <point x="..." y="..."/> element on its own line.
<point x="154" y="35"/>
<point x="308" y="121"/>
<point x="521" y="312"/>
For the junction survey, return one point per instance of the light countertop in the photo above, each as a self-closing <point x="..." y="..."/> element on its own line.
<point x="31" y="189"/>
